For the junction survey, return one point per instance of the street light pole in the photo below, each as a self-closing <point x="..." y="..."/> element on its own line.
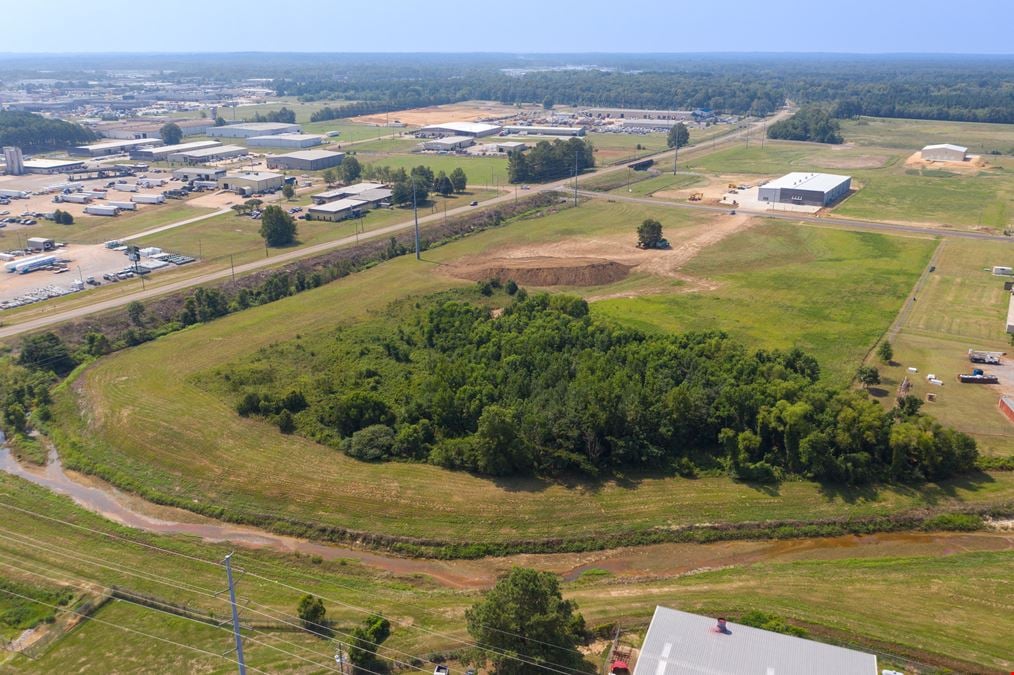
<point x="415" y="214"/>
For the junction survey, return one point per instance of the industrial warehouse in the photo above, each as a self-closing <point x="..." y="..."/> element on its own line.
<point x="162" y="153"/>
<point x="213" y="154"/>
<point x="806" y="189"/>
<point x="249" y="182"/>
<point x="251" y="129"/>
<point x="114" y="147"/>
<point x="306" y="160"/>
<point x="945" y="152"/>
<point x="285" y="140"/>
<point x="474" y="129"/>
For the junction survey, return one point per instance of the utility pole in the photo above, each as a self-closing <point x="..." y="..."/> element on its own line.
<point x="575" y="179"/>
<point x="235" y="617"/>
<point x="339" y="658"/>
<point x="675" y="156"/>
<point x="415" y="215"/>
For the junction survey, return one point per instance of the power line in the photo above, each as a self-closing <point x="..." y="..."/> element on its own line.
<point x="546" y="666"/>
<point x="124" y="628"/>
<point x="123" y="569"/>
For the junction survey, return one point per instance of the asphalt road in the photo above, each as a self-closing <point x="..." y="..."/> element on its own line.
<point x="59" y="316"/>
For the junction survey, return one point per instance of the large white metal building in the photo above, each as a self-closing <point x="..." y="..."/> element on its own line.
<point x="160" y="153"/>
<point x="253" y="181"/>
<point x="52" y="166"/>
<point x="945" y="152"/>
<point x="249" y="129"/>
<point x="474" y="129"/>
<point x="449" y="143"/>
<point x="807" y="189"/>
<point x="115" y="147"/>
<point x="306" y="160"/>
<point x="545" y="130"/>
<point x="214" y="154"/>
<point x="285" y="140"/>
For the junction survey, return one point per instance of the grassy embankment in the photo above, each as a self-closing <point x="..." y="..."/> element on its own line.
<point x="912" y="598"/>
<point x="243" y="468"/>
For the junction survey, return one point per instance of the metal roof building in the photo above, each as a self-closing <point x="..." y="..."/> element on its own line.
<point x="810" y="189"/>
<point x="114" y="147"/>
<point x="474" y="129"/>
<point x="449" y="143"/>
<point x="208" y="154"/>
<point x="347" y="191"/>
<point x="945" y="152"/>
<point x="248" y="129"/>
<point x="337" y="210"/>
<point x="160" y="153"/>
<point x="285" y="140"/>
<point x="306" y="160"/>
<point x="255" y="181"/>
<point x="545" y="131"/>
<point x="44" y="165"/>
<point x="679" y="642"/>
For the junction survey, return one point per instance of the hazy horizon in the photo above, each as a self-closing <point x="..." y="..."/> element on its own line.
<point x="863" y="27"/>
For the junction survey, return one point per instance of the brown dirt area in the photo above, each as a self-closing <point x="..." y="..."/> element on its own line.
<point x="467" y="111"/>
<point x="713" y="191"/>
<point x="602" y="260"/>
<point x="974" y="163"/>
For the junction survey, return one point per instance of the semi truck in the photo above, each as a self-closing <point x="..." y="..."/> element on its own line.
<point x="14" y="194"/>
<point x="73" y="199"/>
<point x="101" y="210"/>
<point x="148" y="199"/>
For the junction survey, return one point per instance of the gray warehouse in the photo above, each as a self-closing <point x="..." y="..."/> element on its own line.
<point x="203" y="155"/>
<point x="249" y="129"/>
<point x="807" y="189"/>
<point x="285" y="141"/>
<point x="306" y="160"/>
<point x="945" y="152"/>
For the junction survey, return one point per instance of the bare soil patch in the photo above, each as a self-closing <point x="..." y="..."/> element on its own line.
<point x="601" y="260"/>
<point x="973" y="163"/>
<point x="547" y="271"/>
<point x="467" y="111"/>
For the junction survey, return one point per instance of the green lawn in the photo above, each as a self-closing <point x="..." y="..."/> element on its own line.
<point x="912" y="135"/>
<point x="830" y="292"/>
<point x="96" y="230"/>
<point x="961" y="307"/>
<point x="351" y="131"/>
<point x="910" y="598"/>
<point x="835" y="300"/>
<point x="480" y="170"/>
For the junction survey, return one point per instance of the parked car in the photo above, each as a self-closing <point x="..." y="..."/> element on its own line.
<point x="474" y="204"/>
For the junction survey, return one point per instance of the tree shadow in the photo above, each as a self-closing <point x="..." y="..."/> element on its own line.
<point x="877" y="392"/>
<point x="931" y="493"/>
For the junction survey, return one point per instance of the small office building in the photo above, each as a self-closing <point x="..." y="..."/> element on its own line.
<point x="347" y="191"/>
<point x="199" y="173"/>
<point x="806" y="189"/>
<point x="341" y="209"/>
<point x="252" y="181"/>
<point x="306" y="160"/>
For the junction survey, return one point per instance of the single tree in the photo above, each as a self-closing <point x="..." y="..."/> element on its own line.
<point x="548" y="103"/>
<point x="679" y="136"/>
<point x="885" y="351"/>
<point x="649" y="233"/>
<point x="868" y="376"/>
<point x="171" y="133"/>
<point x="277" y="227"/>
<point x="311" y="613"/>
<point x="351" y="169"/>
<point x="366" y="640"/>
<point x="240" y="209"/>
<point x="135" y="312"/>
<point x="524" y="613"/>
<point x="253" y="204"/>
<point x="459" y="180"/>
<point x="442" y="184"/>
<point x="288" y="191"/>
<point x="330" y="176"/>
<point x="220" y="121"/>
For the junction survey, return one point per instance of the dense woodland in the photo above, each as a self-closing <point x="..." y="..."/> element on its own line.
<point x="550" y="161"/>
<point x="809" y="124"/>
<point x="33" y="132"/>
<point x="544" y="389"/>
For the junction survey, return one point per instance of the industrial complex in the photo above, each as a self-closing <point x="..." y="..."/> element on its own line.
<point x="807" y="189"/>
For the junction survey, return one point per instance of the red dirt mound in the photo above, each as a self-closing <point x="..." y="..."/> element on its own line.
<point x="546" y="271"/>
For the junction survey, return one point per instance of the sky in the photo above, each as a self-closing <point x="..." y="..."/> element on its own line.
<point x="517" y="26"/>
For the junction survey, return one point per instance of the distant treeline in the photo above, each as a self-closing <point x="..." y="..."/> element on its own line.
<point x="283" y="115"/>
<point x="33" y="132"/>
<point x="541" y="388"/>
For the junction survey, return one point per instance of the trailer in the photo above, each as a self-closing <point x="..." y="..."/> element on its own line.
<point x="94" y="194"/>
<point x="151" y="182"/>
<point x="26" y="266"/>
<point x="125" y="187"/>
<point x="102" y="210"/>
<point x="206" y="184"/>
<point x="148" y="199"/>
<point x="990" y="358"/>
<point x="40" y="244"/>
<point x="73" y="199"/>
<point x="124" y="206"/>
<point x="14" y="194"/>
<point x="12" y="266"/>
<point x="978" y="378"/>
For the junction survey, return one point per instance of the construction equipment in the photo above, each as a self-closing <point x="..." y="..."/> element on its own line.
<point x="696" y="197"/>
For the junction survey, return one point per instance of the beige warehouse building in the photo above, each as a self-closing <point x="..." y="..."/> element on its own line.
<point x="945" y="152"/>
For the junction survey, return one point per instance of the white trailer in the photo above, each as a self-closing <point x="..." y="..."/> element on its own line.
<point x="151" y="182"/>
<point x="207" y="184"/>
<point x="74" y="199"/>
<point x="101" y="210"/>
<point x="14" y="194"/>
<point x="26" y="266"/>
<point x="124" y="206"/>
<point x="125" y="187"/>
<point x="148" y="199"/>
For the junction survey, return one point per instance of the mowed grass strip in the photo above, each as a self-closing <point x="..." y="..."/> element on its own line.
<point x="141" y="417"/>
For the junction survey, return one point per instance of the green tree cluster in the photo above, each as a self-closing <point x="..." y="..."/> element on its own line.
<point x="543" y="389"/>
<point x="32" y="132"/>
<point x="63" y="217"/>
<point x="679" y="136"/>
<point x="550" y="160"/>
<point x="171" y="133"/>
<point x="204" y="305"/>
<point x="311" y="613"/>
<point x="809" y="124"/>
<point x="283" y="115"/>
<point x="365" y="641"/>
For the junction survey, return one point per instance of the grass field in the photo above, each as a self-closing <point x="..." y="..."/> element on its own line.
<point x="98" y="230"/>
<point x="829" y="292"/>
<point x="911" y="598"/>
<point x="912" y="135"/>
<point x="961" y="307"/>
<point x="230" y="461"/>
<point x="480" y="170"/>
<point x="889" y="191"/>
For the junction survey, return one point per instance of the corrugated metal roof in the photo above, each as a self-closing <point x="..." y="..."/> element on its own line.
<point x="462" y="127"/>
<point x="679" y="642"/>
<point x="946" y="146"/>
<point x="310" y="155"/>
<point x="338" y="206"/>
<point x="820" y="182"/>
